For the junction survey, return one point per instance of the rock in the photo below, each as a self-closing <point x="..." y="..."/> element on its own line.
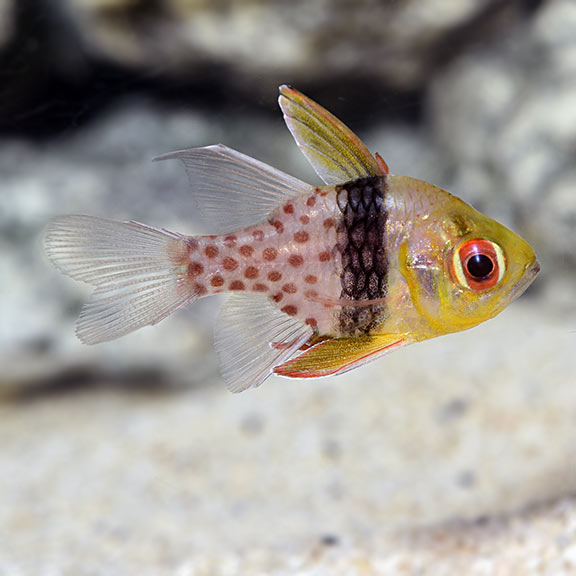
<point x="504" y="117"/>
<point x="6" y="22"/>
<point x="263" y="44"/>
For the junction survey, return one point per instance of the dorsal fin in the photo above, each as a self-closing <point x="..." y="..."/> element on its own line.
<point x="233" y="190"/>
<point x="335" y="152"/>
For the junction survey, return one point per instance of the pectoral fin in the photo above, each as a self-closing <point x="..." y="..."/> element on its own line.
<point x="339" y="355"/>
<point x="252" y="336"/>
<point x="335" y="152"/>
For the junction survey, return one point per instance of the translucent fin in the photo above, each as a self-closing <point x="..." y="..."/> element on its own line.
<point x="335" y="152"/>
<point x="231" y="189"/>
<point x="339" y="355"/>
<point x="137" y="283"/>
<point x="253" y="336"/>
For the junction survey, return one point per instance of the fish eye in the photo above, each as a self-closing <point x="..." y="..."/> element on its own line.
<point x="478" y="264"/>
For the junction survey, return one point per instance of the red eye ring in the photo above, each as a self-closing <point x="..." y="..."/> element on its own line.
<point x="478" y="264"/>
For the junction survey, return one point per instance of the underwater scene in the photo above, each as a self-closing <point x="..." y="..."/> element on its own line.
<point x="287" y="288"/>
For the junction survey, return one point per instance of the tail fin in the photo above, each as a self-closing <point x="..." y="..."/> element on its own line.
<point x="138" y="272"/>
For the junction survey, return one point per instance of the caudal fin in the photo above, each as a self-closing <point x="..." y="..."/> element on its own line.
<point x="138" y="272"/>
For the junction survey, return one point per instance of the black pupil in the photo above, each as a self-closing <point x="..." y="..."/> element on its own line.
<point x="480" y="266"/>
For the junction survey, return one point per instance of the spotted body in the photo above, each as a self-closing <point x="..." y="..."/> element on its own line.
<point x="322" y="279"/>
<point x="291" y="258"/>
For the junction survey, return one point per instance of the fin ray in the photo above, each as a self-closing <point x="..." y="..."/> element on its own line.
<point x="233" y="190"/>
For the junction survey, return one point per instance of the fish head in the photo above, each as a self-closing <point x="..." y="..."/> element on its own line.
<point x="462" y="267"/>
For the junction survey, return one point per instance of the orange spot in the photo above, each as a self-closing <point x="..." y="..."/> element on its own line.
<point x="328" y="223"/>
<point x="324" y="256"/>
<point x="301" y="236"/>
<point x="237" y="285"/>
<point x="217" y="280"/>
<point x="290" y="288"/>
<point x="278" y="225"/>
<point x="258" y="235"/>
<point x="251" y="272"/>
<point x="260" y="287"/>
<point x="246" y="250"/>
<point x="274" y="276"/>
<point x="296" y="260"/>
<point x="230" y="241"/>
<point x="211" y="251"/>
<point x="312" y="322"/>
<point x="199" y="289"/>
<point x="311" y="201"/>
<point x="270" y="254"/>
<point x="278" y="297"/>
<point x="229" y="264"/>
<point x="311" y="279"/>
<point x="304" y="219"/>
<point x="195" y="268"/>
<point x="288" y="208"/>
<point x="290" y="310"/>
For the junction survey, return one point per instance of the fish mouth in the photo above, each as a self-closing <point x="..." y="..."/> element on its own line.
<point x="531" y="271"/>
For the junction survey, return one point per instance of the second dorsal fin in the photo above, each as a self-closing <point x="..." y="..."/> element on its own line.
<point x="233" y="190"/>
<point x="335" y="152"/>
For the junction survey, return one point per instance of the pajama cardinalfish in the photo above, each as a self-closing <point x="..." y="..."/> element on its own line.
<point x="323" y="278"/>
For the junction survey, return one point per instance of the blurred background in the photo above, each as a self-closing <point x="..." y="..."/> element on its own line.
<point x="455" y="456"/>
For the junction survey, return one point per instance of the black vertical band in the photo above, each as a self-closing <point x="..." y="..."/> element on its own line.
<point x="362" y="245"/>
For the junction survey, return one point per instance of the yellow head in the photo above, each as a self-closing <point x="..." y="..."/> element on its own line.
<point x="461" y="267"/>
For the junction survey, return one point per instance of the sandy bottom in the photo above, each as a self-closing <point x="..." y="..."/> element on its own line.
<point x="439" y="459"/>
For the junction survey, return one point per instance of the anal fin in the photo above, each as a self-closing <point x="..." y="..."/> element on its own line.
<point x="339" y="355"/>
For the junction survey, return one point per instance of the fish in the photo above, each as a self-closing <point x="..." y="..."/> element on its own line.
<point x="321" y="279"/>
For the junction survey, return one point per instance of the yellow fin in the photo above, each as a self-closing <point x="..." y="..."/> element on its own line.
<point x="339" y="355"/>
<point x="335" y="152"/>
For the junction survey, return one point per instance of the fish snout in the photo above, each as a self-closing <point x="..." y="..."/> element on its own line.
<point x="533" y="269"/>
